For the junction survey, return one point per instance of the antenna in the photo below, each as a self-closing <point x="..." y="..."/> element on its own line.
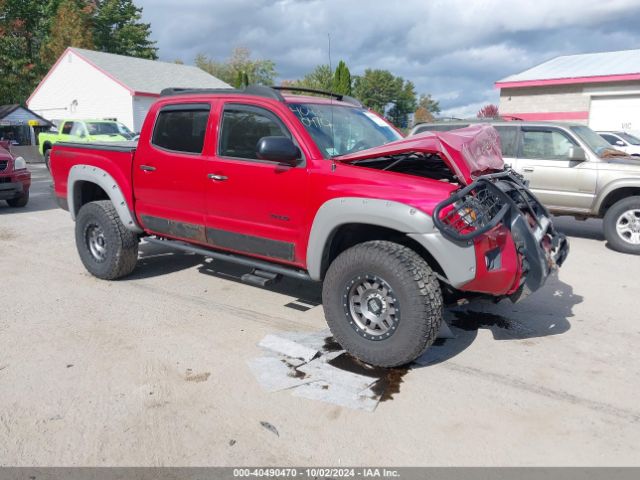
<point x="333" y="135"/>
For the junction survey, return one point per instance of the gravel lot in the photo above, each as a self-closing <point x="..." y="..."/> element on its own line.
<point x="115" y="373"/>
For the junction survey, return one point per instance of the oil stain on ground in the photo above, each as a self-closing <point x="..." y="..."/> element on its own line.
<point x="502" y="328"/>
<point x="388" y="379"/>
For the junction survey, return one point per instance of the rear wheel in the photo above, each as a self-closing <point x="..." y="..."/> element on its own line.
<point x="622" y="225"/>
<point x="107" y="249"/>
<point x="21" y="201"/>
<point x="382" y="302"/>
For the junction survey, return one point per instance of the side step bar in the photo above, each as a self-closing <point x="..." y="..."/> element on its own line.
<point x="233" y="258"/>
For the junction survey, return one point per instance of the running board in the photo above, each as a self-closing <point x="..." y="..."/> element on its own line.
<point x="260" y="278"/>
<point x="258" y="265"/>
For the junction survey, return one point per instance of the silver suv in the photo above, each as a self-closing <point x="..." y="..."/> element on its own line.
<point x="573" y="171"/>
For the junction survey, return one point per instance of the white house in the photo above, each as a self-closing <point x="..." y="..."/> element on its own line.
<point x="84" y="84"/>
<point x="598" y="89"/>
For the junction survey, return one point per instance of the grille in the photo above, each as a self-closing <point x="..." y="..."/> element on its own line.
<point x="5" y="179"/>
<point x="3" y="165"/>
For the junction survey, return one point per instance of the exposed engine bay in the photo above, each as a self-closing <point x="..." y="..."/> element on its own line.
<point x="415" y="163"/>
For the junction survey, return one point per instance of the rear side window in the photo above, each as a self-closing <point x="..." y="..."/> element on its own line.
<point x="66" y="128"/>
<point x="508" y="140"/>
<point x="609" y="138"/>
<point x="181" y="128"/>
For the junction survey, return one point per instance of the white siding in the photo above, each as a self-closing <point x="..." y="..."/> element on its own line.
<point x="615" y="113"/>
<point x="75" y="89"/>
<point x="141" y="105"/>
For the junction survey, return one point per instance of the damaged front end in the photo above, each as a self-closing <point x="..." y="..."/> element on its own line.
<point x="499" y="201"/>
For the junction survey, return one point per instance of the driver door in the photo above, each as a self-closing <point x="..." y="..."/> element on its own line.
<point x="254" y="206"/>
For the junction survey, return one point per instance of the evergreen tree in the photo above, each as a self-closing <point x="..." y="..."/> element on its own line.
<point x="342" y="79"/>
<point x="117" y="28"/>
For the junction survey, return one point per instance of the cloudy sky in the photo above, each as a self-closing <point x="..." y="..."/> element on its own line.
<point x="453" y="49"/>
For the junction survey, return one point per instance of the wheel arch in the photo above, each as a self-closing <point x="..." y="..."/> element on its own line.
<point x="87" y="183"/>
<point x="617" y="192"/>
<point x="341" y="223"/>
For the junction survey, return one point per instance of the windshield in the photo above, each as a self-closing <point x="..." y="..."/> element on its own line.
<point x="354" y="129"/>
<point x="629" y="138"/>
<point x="594" y="141"/>
<point x="108" y="128"/>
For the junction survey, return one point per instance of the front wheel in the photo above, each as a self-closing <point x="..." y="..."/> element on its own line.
<point x="107" y="249"/>
<point x="21" y="201"/>
<point x="47" y="159"/>
<point x="382" y="302"/>
<point x="622" y="225"/>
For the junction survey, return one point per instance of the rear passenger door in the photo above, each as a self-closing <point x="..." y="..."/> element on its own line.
<point x="169" y="172"/>
<point x="560" y="183"/>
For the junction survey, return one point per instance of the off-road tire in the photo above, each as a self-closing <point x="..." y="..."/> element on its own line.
<point x="21" y="201"/>
<point x="47" y="158"/>
<point x="611" y="219"/>
<point x="121" y="245"/>
<point x="415" y="287"/>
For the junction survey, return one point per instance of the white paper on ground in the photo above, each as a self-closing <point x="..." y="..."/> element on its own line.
<point x="339" y="395"/>
<point x="274" y="375"/>
<point x="288" y="347"/>
<point x="321" y="370"/>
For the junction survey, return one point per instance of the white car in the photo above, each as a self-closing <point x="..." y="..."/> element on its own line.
<point x="623" y="141"/>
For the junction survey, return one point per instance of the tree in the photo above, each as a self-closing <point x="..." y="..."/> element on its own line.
<point x="22" y="32"/>
<point x="321" y="78"/>
<point x="404" y="103"/>
<point x="488" y="111"/>
<point x="118" y="29"/>
<point x="239" y="68"/>
<point x="342" y="79"/>
<point x="422" y="115"/>
<point x="70" y="28"/>
<point x="376" y="89"/>
<point x="429" y="104"/>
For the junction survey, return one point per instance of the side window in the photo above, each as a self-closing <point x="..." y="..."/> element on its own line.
<point x="609" y="138"/>
<point x="77" y="129"/>
<point x="508" y="140"/>
<point x="66" y="128"/>
<point x="545" y="144"/>
<point x="181" y="128"/>
<point x="243" y="126"/>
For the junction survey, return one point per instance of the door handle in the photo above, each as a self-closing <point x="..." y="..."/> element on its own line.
<point x="147" y="168"/>
<point x="528" y="169"/>
<point x="217" y="178"/>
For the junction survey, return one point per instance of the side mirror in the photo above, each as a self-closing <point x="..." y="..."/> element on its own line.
<point x="278" y="149"/>
<point x="577" y="154"/>
<point x="620" y="143"/>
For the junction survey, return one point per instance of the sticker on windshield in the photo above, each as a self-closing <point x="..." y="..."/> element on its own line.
<point x="376" y="119"/>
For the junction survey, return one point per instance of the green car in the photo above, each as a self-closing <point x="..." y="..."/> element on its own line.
<point x="84" y="131"/>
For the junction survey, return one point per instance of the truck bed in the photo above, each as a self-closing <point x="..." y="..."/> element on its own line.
<point x="116" y="158"/>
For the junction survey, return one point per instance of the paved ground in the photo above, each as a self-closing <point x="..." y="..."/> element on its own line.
<point x="115" y="373"/>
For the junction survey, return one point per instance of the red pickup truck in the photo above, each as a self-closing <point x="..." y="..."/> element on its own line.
<point x="15" y="179"/>
<point x="317" y="189"/>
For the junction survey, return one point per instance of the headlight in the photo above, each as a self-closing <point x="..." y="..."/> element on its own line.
<point x="19" y="163"/>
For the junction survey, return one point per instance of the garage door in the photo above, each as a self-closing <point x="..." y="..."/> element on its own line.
<point x="615" y="113"/>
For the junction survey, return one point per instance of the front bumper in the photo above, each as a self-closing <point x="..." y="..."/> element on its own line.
<point x="497" y="202"/>
<point x="9" y="191"/>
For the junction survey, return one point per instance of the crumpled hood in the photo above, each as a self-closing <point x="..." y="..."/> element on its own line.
<point x="469" y="152"/>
